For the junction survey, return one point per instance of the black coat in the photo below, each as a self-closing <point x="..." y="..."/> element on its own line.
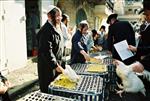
<point x="119" y="31"/>
<point x="50" y="51"/>
<point x="144" y="43"/>
<point x="143" y="48"/>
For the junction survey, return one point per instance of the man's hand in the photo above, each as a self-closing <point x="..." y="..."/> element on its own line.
<point x="132" y="48"/>
<point x="59" y="68"/>
<point x="3" y="89"/>
<point x="8" y="84"/>
<point x="137" y="67"/>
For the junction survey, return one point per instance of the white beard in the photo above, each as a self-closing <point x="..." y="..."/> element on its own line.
<point x="146" y="75"/>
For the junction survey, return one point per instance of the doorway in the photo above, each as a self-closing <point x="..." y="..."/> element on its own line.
<point x="32" y="25"/>
<point x="81" y="15"/>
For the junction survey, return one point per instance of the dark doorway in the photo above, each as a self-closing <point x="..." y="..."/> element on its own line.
<point x="81" y="15"/>
<point x="32" y="25"/>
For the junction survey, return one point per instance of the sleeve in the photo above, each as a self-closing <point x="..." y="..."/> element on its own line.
<point x="110" y="39"/>
<point x="90" y="42"/>
<point x="45" y="45"/>
<point x="77" y="41"/>
<point x="65" y="32"/>
<point x="132" y="39"/>
<point x="142" y="50"/>
<point x="51" y="57"/>
<point x="146" y="62"/>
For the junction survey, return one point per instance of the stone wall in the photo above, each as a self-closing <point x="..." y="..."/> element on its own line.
<point x="70" y="7"/>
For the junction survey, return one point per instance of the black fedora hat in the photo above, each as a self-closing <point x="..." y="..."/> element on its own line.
<point x="146" y="6"/>
<point x="111" y="16"/>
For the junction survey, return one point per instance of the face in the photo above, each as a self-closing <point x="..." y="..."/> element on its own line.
<point x="102" y="29"/>
<point x="147" y="15"/>
<point x="85" y="30"/>
<point x="66" y="21"/>
<point x="58" y="17"/>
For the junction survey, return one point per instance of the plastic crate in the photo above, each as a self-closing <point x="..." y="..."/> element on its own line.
<point x="38" y="96"/>
<point x="108" y="61"/>
<point x="89" y="88"/>
<point x="81" y="70"/>
<point x="105" y="52"/>
<point x="102" y="53"/>
<point x="112" y="78"/>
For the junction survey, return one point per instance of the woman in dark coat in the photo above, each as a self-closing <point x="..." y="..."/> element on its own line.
<point x="79" y="44"/>
<point x="50" y="48"/>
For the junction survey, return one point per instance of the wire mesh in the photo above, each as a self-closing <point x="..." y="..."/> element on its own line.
<point x="89" y="88"/>
<point x="38" y="96"/>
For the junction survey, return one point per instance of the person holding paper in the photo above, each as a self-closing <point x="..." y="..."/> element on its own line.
<point x="143" y="49"/>
<point x="119" y="31"/>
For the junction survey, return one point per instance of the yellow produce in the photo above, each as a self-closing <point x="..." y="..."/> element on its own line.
<point x="94" y="60"/>
<point x="97" y="68"/>
<point x="64" y="82"/>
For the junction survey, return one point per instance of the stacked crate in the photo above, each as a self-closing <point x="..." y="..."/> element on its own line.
<point x="89" y="88"/>
<point x="39" y="96"/>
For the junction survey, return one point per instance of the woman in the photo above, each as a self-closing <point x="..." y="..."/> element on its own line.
<point x="50" y="48"/>
<point x="79" y="44"/>
<point x="95" y="37"/>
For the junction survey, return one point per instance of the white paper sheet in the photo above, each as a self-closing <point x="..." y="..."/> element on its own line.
<point x="122" y="49"/>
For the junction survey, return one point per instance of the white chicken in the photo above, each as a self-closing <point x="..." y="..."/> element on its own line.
<point x="130" y="81"/>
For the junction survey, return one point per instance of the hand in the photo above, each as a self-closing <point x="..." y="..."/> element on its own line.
<point x="137" y="67"/>
<point x="71" y="74"/>
<point x="59" y="69"/>
<point x="116" y="62"/>
<point x="86" y="56"/>
<point x="3" y="89"/>
<point x="132" y="48"/>
<point x="8" y="84"/>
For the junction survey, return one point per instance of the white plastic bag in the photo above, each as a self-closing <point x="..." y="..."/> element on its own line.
<point x="71" y="74"/>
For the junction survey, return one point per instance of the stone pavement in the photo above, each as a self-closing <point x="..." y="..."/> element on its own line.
<point x="23" y="78"/>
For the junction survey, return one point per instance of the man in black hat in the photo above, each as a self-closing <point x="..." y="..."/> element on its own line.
<point x="143" y="49"/>
<point x="119" y="31"/>
<point x="112" y="17"/>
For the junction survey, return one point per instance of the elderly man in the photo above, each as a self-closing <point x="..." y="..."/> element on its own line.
<point x="145" y="62"/>
<point x="144" y="50"/>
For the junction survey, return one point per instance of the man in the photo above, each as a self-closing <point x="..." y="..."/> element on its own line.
<point x="144" y="49"/>
<point x="119" y="31"/>
<point x="50" y="48"/>
<point x="145" y="62"/>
